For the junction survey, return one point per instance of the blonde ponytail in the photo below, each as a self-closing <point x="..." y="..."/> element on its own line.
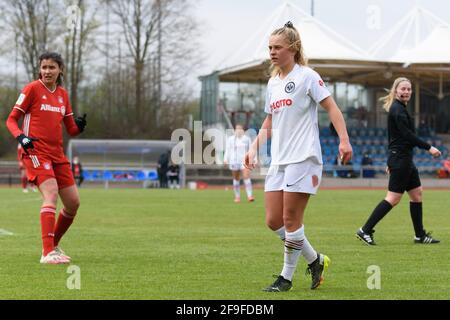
<point x="292" y="37"/>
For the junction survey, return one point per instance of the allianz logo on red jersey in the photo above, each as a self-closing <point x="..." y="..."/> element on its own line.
<point x="280" y="104"/>
<point x="47" y="107"/>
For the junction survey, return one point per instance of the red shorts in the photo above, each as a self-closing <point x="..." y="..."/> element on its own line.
<point x="41" y="168"/>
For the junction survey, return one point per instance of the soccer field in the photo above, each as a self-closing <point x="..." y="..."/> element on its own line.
<point x="183" y="244"/>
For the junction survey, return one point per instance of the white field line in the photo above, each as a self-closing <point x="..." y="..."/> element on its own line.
<point x="4" y="232"/>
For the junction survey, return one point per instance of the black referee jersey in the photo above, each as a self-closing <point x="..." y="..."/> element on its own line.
<point x="401" y="132"/>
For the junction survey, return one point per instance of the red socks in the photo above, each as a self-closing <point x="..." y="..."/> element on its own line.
<point x="63" y="224"/>
<point x="24" y="182"/>
<point x="51" y="234"/>
<point x="48" y="228"/>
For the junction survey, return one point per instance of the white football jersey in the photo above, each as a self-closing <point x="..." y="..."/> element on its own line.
<point x="293" y="103"/>
<point x="236" y="149"/>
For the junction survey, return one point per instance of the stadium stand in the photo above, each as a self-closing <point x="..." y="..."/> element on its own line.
<point x="9" y="173"/>
<point x="148" y="178"/>
<point x="119" y="162"/>
<point x="373" y="141"/>
<point x="128" y="163"/>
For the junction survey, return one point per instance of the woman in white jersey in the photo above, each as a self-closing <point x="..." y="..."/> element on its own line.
<point x="294" y="93"/>
<point x="236" y="147"/>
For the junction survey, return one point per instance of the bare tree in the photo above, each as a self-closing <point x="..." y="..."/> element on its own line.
<point x="178" y="55"/>
<point x="158" y="35"/>
<point x="138" y="19"/>
<point x="80" y="29"/>
<point x="31" y="21"/>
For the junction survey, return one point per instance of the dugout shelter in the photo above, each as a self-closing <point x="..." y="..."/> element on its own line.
<point x="121" y="162"/>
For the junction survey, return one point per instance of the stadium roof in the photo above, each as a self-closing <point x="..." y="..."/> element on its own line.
<point x="421" y="43"/>
<point x="418" y="47"/>
<point x="319" y="41"/>
<point x="435" y="49"/>
<point x="418" y="37"/>
<point x="331" y="54"/>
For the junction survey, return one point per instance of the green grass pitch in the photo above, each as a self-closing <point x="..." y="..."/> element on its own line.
<point x="183" y="244"/>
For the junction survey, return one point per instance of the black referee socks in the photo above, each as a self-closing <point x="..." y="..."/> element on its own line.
<point x="415" y="208"/>
<point x="378" y="213"/>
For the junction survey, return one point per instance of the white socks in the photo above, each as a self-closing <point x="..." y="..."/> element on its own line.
<point x="293" y="245"/>
<point x="308" y="252"/>
<point x="281" y="233"/>
<point x="296" y="244"/>
<point x="248" y="187"/>
<point x="237" y="188"/>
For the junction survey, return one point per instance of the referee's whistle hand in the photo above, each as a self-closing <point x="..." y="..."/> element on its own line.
<point x="434" y="152"/>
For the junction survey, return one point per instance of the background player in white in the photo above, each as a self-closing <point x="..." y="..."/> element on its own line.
<point x="236" y="147"/>
<point x="294" y="93"/>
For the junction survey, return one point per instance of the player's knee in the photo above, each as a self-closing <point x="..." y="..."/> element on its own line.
<point x="50" y="195"/>
<point x="393" y="200"/>
<point x="73" y="206"/>
<point x="273" y="224"/>
<point x="416" y="196"/>
<point x="51" y="198"/>
<point x="289" y="219"/>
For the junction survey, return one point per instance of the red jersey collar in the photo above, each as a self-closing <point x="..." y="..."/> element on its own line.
<point x="40" y="80"/>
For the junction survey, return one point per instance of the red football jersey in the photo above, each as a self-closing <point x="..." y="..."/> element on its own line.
<point x="44" y="112"/>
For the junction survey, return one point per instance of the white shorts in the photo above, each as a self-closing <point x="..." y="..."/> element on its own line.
<point x="301" y="177"/>
<point x="236" y="166"/>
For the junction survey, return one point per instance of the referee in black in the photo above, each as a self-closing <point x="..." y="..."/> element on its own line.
<point x="403" y="174"/>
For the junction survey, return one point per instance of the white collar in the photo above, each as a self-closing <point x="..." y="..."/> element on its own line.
<point x="40" y="80"/>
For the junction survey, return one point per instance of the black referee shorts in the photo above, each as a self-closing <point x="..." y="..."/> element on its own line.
<point x="404" y="175"/>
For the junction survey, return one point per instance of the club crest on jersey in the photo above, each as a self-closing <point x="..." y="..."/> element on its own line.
<point x="60" y="99"/>
<point x="47" y="166"/>
<point x="290" y="86"/>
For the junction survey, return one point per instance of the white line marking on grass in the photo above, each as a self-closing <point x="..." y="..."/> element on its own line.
<point x="4" y="232"/>
<point x="21" y="200"/>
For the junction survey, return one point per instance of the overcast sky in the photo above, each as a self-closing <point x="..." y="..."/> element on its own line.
<point x="228" y="24"/>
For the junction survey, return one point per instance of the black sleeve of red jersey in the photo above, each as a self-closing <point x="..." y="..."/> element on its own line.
<point x="403" y="126"/>
<point x="71" y="126"/>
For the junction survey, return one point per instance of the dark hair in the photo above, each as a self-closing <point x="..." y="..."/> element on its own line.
<point x="58" y="59"/>
<point x="289" y="24"/>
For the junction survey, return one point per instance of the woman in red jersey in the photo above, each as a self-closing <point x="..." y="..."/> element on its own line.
<point x="45" y="105"/>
